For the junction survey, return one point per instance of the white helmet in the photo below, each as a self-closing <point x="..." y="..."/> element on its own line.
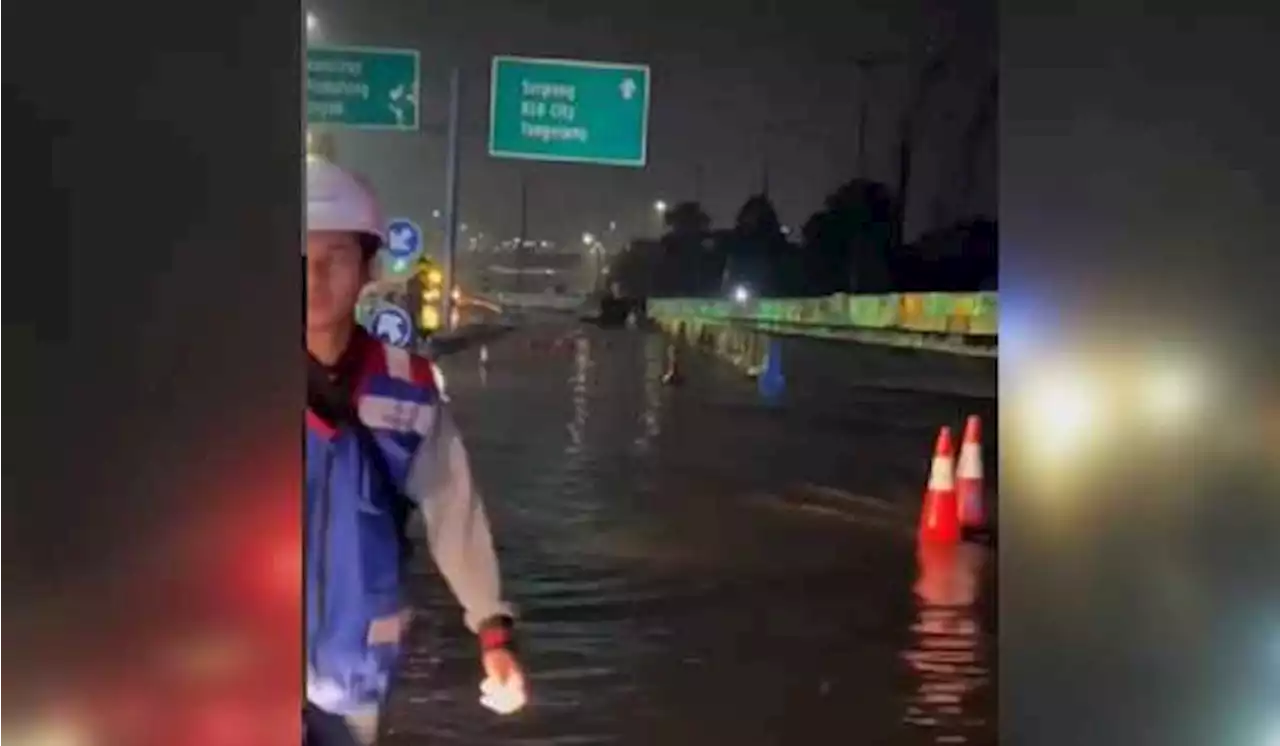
<point x="338" y="200"/>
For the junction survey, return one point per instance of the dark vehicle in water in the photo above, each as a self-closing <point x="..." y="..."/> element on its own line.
<point x="612" y="310"/>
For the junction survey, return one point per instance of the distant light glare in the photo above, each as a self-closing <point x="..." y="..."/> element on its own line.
<point x="1272" y="738"/>
<point x="1065" y="411"/>
<point x="1172" y="395"/>
<point x="588" y="239"/>
<point x="56" y="732"/>
<point x="741" y="294"/>
<point x="660" y="206"/>
<point x="313" y="23"/>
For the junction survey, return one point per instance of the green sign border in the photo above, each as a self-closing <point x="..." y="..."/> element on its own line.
<point x="493" y="112"/>
<point x="417" y="74"/>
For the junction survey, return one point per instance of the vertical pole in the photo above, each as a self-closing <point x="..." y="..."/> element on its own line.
<point x="864" y="67"/>
<point x="862" y="136"/>
<point x="451" y="200"/>
<point x="524" y="206"/>
<point x="524" y="231"/>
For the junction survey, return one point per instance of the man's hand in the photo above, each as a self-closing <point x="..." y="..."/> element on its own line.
<point x="503" y="689"/>
<point x="500" y="664"/>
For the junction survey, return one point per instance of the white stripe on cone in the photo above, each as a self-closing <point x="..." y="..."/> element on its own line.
<point x="940" y="475"/>
<point x="970" y="464"/>
<point x="969" y="477"/>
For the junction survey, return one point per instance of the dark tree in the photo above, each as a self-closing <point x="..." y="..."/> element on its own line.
<point x="757" y="252"/>
<point x="847" y="243"/>
<point x="687" y="219"/>
<point x="687" y="256"/>
<point x="960" y="258"/>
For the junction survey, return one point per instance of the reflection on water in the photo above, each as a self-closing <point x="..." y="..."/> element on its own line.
<point x="656" y="606"/>
<point x="947" y="652"/>
<point x="655" y="364"/>
<point x="578" y="393"/>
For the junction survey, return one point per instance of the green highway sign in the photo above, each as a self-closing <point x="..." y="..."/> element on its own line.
<point x="362" y="87"/>
<point x="569" y="110"/>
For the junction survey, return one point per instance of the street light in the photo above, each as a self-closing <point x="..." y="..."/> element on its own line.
<point x="660" y="206"/>
<point x="596" y="250"/>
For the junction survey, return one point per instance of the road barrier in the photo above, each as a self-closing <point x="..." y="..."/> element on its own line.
<point x="970" y="314"/>
<point x="964" y="323"/>
<point x="547" y="301"/>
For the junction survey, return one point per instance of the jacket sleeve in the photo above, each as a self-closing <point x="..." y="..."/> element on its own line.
<point x="457" y="528"/>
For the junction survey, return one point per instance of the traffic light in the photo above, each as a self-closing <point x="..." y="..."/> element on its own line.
<point x="432" y="281"/>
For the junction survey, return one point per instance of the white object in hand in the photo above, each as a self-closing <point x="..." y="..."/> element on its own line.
<point x="503" y="698"/>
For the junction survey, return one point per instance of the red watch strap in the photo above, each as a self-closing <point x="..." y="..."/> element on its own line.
<point x="495" y="636"/>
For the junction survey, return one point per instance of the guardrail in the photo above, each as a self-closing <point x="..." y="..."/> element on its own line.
<point x="968" y="314"/>
<point x="951" y="322"/>
<point x="550" y="301"/>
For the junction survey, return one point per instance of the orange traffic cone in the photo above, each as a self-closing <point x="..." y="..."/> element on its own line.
<point x="969" y="477"/>
<point x="948" y="574"/>
<point x="940" y="516"/>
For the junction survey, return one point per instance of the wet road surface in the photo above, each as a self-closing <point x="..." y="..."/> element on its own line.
<point x="669" y="592"/>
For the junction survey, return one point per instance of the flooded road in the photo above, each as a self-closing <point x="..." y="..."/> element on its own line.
<point x="668" y="594"/>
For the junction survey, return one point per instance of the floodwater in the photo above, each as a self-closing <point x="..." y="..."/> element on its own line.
<point x="668" y="593"/>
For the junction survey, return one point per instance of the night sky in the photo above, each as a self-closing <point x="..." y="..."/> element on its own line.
<point x="734" y="85"/>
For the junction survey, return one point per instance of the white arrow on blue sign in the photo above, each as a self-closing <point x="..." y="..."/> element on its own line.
<point x="404" y="238"/>
<point x="392" y="325"/>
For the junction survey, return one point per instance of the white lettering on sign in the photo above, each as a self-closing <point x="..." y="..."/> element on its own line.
<point x="325" y="109"/>
<point x="351" y="68"/>
<point x="563" y="112"/>
<point x="339" y="88"/>
<point x="552" y="132"/>
<point x="548" y="91"/>
<point x="555" y="102"/>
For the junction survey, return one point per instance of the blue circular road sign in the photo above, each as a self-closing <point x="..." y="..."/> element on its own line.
<point x="392" y="325"/>
<point x="404" y="238"/>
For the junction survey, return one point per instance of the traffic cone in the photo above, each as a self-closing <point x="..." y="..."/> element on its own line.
<point x="969" y="477"/>
<point x="772" y="382"/>
<point x="940" y="516"/>
<point x="672" y="376"/>
<point x="947" y="574"/>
